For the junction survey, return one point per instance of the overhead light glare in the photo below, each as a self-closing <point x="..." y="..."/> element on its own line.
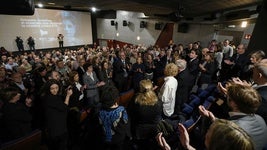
<point x="93" y="9"/>
<point x="244" y="24"/>
<point x="40" y="5"/>
<point x="231" y="26"/>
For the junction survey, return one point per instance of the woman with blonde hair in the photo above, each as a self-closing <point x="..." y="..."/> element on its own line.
<point x="257" y="56"/>
<point x="146" y="96"/>
<point x="167" y="92"/>
<point x="145" y="113"/>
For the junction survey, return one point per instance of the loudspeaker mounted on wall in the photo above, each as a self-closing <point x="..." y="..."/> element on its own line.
<point x="158" y="26"/>
<point x="143" y="24"/>
<point x="183" y="27"/>
<point x="124" y="23"/>
<point x="113" y="23"/>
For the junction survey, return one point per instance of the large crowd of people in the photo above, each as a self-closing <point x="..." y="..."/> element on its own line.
<point x="50" y="90"/>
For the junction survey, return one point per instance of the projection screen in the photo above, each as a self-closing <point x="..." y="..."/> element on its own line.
<point x="44" y="26"/>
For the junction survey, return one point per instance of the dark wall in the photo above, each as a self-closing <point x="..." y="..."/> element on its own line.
<point x="258" y="38"/>
<point x="94" y="28"/>
<point x="183" y="27"/>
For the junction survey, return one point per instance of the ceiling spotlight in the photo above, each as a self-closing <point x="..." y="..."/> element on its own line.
<point x="231" y="26"/>
<point x="244" y="24"/>
<point x="93" y="9"/>
<point x="40" y="5"/>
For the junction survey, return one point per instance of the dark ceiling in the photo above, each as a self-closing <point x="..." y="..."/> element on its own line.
<point x="190" y="8"/>
<point x="152" y="8"/>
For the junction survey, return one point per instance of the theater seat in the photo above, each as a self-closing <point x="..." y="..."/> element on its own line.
<point x="31" y="141"/>
<point x="203" y="94"/>
<point x="187" y="109"/>
<point x="211" y="99"/>
<point x="195" y="102"/>
<point x="125" y="97"/>
<point x="206" y="104"/>
<point x="191" y="123"/>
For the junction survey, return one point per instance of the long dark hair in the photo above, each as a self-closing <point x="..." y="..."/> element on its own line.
<point x="48" y="85"/>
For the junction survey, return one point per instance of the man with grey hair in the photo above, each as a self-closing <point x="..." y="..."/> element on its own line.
<point x="185" y="83"/>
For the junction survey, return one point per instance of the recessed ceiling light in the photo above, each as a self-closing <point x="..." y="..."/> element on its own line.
<point x="231" y="26"/>
<point x="93" y="9"/>
<point x="51" y="3"/>
<point x="244" y="24"/>
<point x="40" y="5"/>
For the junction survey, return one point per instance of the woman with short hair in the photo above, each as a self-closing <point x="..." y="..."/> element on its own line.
<point x="167" y="92"/>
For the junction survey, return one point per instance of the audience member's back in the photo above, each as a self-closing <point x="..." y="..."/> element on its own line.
<point x="244" y="101"/>
<point x="260" y="77"/>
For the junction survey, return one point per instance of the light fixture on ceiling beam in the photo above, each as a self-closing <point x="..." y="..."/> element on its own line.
<point x="40" y="5"/>
<point x="93" y="9"/>
<point x="231" y="26"/>
<point x="244" y="24"/>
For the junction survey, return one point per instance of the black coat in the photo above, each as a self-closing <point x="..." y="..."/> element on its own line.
<point x="55" y="115"/>
<point x="118" y="70"/>
<point x="74" y="98"/>
<point x="144" y="119"/>
<point x="17" y="120"/>
<point x="207" y="76"/>
<point x="193" y="67"/>
<point x="240" y="68"/>
<point x="185" y="83"/>
<point x="80" y="73"/>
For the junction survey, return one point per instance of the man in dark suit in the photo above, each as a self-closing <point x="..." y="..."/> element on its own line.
<point x="121" y="72"/>
<point x="160" y="62"/>
<point x="185" y="84"/>
<point x="193" y="63"/>
<point x="239" y="63"/>
<point x="81" y="70"/>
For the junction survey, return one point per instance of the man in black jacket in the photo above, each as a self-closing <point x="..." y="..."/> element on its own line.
<point x="31" y="43"/>
<point x="121" y="72"/>
<point x="185" y="84"/>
